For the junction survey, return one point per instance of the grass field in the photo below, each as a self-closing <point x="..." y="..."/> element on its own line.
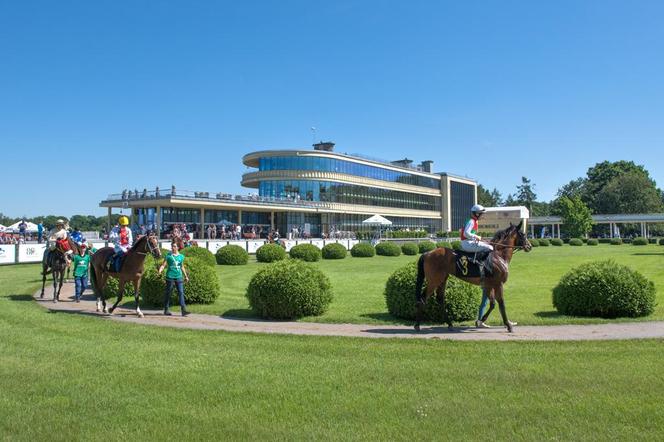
<point x="358" y="284"/>
<point x="67" y="376"/>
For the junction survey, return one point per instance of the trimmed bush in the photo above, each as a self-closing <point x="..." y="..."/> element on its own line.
<point x="652" y="240"/>
<point x="334" y="251"/>
<point x="557" y="242"/>
<point x="544" y="242"/>
<point x="426" y="246"/>
<point x="593" y="242"/>
<point x="203" y="286"/>
<point x="362" y="250"/>
<point x="232" y="255"/>
<point x="534" y="242"/>
<point x="605" y="240"/>
<point x="640" y="241"/>
<point x="462" y="299"/>
<point x="387" y="249"/>
<point x="616" y="241"/>
<point x="270" y="253"/>
<point x="410" y="248"/>
<point x="305" y="252"/>
<point x="604" y="289"/>
<point x="443" y="244"/>
<point x="201" y="253"/>
<point x="575" y="242"/>
<point x="289" y="289"/>
<point x="456" y="245"/>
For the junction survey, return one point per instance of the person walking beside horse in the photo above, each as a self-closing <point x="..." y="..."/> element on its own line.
<point x="176" y="270"/>
<point x="81" y="264"/>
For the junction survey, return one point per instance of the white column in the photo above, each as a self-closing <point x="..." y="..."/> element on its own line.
<point x="532" y="230"/>
<point x="643" y="229"/>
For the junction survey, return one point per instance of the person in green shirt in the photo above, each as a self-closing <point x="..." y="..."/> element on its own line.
<point x="176" y="271"/>
<point x="81" y="264"/>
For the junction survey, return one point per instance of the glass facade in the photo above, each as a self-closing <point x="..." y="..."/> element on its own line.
<point x="353" y="223"/>
<point x="347" y="167"/>
<point x="310" y="190"/>
<point x="221" y="216"/>
<point x="462" y="198"/>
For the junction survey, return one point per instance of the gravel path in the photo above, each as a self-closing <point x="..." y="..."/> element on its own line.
<point x="636" y="330"/>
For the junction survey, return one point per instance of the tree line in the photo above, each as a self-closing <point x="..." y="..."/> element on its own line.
<point x="86" y="223"/>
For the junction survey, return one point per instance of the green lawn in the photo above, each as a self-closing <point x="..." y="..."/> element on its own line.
<point x="67" y="376"/>
<point x="358" y="284"/>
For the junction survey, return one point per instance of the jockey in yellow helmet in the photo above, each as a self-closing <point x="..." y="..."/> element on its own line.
<point x="122" y="239"/>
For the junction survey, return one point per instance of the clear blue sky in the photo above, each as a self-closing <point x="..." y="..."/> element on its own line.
<point x="114" y="94"/>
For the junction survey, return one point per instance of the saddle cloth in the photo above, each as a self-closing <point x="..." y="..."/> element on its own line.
<point x="467" y="264"/>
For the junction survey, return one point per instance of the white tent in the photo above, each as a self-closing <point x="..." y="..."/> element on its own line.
<point x="31" y="227"/>
<point x="377" y="220"/>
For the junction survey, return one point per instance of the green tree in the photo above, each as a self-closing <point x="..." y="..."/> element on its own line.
<point x="604" y="173"/>
<point x="576" y="216"/>
<point x="632" y="192"/>
<point x="488" y="198"/>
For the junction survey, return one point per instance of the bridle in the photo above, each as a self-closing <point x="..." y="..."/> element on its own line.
<point x="150" y="247"/>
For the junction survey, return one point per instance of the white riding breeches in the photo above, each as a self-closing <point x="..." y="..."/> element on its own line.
<point x="469" y="245"/>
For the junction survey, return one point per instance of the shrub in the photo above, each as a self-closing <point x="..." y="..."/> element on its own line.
<point x="443" y="244"/>
<point x="462" y="299"/>
<point x="387" y="249"/>
<point x="305" y="252"/>
<point x="410" y="248"/>
<point x="289" y="289"/>
<point x="604" y="289"/>
<point x="270" y="253"/>
<point x="605" y="240"/>
<point x="232" y="255"/>
<point x="112" y="284"/>
<point x="593" y="242"/>
<point x="362" y="250"/>
<point x="584" y="240"/>
<point x="575" y="242"/>
<point x="201" y="253"/>
<point x="661" y="242"/>
<point x="557" y="242"/>
<point x="534" y="242"/>
<point x="616" y="241"/>
<point x="426" y="246"/>
<point x="334" y="251"/>
<point x="456" y="245"/>
<point x="544" y="242"/>
<point x="203" y="286"/>
<point x="652" y="240"/>
<point x="640" y="241"/>
<point x="565" y="241"/>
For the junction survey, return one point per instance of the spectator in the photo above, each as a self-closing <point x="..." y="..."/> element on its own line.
<point x="22" y="228"/>
<point x="176" y="270"/>
<point x="81" y="264"/>
<point x="40" y="232"/>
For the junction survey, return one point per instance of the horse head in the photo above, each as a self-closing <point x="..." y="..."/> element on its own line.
<point x="520" y="239"/>
<point x="153" y="245"/>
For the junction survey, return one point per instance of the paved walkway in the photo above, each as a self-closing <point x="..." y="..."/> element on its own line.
<point x="636" y="330"/>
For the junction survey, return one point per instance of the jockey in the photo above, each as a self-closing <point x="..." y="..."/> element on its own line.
<point x="58" y="237"/>
<point x="122" y="238"/>
<point x="470" y="240"/>
<point x="78" y="237"/>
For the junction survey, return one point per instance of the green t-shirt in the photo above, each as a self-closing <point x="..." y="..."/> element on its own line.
<point x="174" y="266"/>
<point x="81" y="265"/>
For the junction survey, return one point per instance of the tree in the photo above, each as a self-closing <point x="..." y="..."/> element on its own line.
<point x="632" y="192"/>
<point x="599" y="177"/>
<point x="576" y="216"/>
<point x="489" y="199"/>
<point x="524" y="196"/>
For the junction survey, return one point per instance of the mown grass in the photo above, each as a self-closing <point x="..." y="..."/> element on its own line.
<point x="68" y="376"/>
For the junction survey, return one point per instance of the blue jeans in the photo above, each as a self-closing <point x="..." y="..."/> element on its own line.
<point x="485" y="300"/>
<point x="81" y="285"/>
<point x="169" y="289"/>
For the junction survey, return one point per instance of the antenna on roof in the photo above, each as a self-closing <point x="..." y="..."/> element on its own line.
<point x="313" y="134"/>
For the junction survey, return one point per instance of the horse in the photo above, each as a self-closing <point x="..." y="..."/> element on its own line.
<point x="435" y="267"/>
<point x="57" y="263"/>
<point x="131" y="271"/>
<point x="46" y="264"/>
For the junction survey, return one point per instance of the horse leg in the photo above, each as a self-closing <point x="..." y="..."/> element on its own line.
<point x="492" y="304"/>
<point x="60" y="284"/>
<point x="41" y="296"/>
<point x="55" y="285"/>
<point x="440" y="298"/>
<point x="121" y="286"/>
<point x="501" y="306"/>
<point x="420" y="300"/>
<point x="137" y="285"/>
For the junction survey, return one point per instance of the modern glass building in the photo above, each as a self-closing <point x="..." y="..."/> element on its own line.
<point x="316" y="191"/>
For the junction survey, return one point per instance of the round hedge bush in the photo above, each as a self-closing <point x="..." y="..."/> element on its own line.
<point x="640" y="241"/>
<point x="289" y="289"/>
<point x="575" y="242"/>
<point x="462" y="299"/>
<point x="203" y="286"/>
<point x="652" y="240"/>
<point x="426" y="246"/>
<point x="362" y="250"/>
<point x="593" y="242"/>
<point x="544" y="242"/>
<point x="616" y="241"/>
<point x="534" y="242"/>
<point x="201" y="253"/>
<point x="410" y="248"/>
<point x="270" y="253"/>
<point x="456" y="245"/>
<point x="604" y="289"/>
<point x="443" y="245"/>
<point x="387" y="248"/>
<point x="305" y="252"/>
<point x="112" y="284"/>
<point x="334" y="251"/>
<point x="557" y="242"/>
<point x="232" y="255"/>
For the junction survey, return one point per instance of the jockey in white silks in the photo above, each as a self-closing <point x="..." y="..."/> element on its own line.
<point x="122" y="240"/>
<point x="58" y="236"/>
<point x="470" y="240"/>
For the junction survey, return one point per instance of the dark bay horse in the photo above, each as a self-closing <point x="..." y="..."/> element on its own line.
<point x="436" y="266"/>
<point x="57" y="264"/>
<point x="131" y="271"/>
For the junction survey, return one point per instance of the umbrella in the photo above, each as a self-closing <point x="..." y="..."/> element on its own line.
<point x="225" y="222"/>
<point x="30" y="227"/>
<point x="377" y="220"/>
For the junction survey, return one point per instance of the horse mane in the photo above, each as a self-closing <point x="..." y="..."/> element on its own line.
<point x="502" y="234"/>
<point x="142" y="238"/>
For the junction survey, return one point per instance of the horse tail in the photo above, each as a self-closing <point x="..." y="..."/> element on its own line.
<point x="420" y="278"/>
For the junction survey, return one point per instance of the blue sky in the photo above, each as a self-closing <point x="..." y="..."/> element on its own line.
<point x="132" y="94"/>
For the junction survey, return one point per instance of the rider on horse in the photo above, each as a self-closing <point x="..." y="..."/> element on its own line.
<point x="78" y="237"/>
<point x="122" y="239"/>
<point x="470" y="240"/>
<point x="58" y="238"/>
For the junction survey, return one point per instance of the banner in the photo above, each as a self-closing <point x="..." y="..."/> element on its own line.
<point x="7" y="253"/>
<point x="318" y="243"/>
<point x="213" y="246"/>
<point x="242" y="244"/>
<point x="252" y="246"/>
<point x="31" y="252"/>
<point x="351" y="243"/>
<point x="289" y="244"/>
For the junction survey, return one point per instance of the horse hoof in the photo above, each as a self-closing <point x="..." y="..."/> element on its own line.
<point x="510" y="330"/>
<point x="140" y="315"/>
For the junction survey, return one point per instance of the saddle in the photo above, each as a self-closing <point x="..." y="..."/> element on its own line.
<point x="473" y="264"/>
<point x="115" y="261"/>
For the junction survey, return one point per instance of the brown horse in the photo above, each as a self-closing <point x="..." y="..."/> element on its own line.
<point x="436" y="266"/>
<point x="131" y="271"/>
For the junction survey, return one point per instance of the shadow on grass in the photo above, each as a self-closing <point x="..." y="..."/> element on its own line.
<point x="648" y="254"/>
<point x="20" y="297"/>
<point x="548" y="314"/>
<point x="241" y="313"/>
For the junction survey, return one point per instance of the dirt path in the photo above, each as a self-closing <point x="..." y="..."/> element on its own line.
<point x="634" y="330"/>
